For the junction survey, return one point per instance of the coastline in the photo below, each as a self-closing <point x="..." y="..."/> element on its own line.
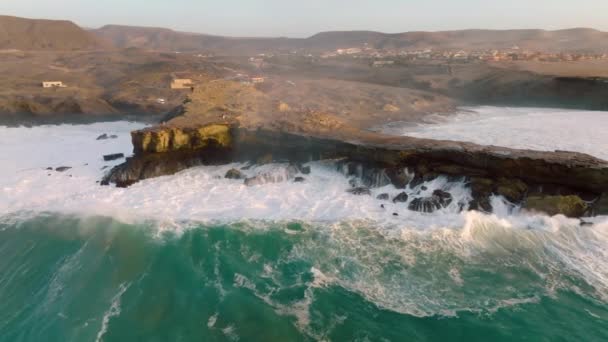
<point x="523" y="176"/>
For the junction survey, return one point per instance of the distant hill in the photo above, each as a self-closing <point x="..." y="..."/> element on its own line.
<point x="580" y="39"/>
<point x="36" y="34"/>
<point x="562" y="40"/>
<point x="162" y="39"/>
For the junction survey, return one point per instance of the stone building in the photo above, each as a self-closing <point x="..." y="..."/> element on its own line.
<point x="182" y="83"/>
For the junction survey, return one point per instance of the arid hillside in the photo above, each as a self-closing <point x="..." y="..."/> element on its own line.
<point x="36" y="34"/>
<point x="580" y="39"/>
<point x="162" y="39"/>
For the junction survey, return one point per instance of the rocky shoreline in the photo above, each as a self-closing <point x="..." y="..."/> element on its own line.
<point x="560" y="182"/>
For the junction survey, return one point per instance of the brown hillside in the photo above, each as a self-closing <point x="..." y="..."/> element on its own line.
<point x="34" y="34"/>
<point x="579" y="39"/>
<point x="161" y="39"/>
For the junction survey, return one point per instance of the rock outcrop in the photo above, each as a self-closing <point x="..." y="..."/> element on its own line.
<point x="570" y="206"/>
<point x="229" y="124"/>
<point x="171" y="139"/>
<point x="440" y="199"/>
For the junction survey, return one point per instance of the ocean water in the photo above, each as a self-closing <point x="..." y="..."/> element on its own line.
<point x="196" y="257"/>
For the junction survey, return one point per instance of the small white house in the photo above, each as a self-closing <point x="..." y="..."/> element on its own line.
<point x="53" y="84"/>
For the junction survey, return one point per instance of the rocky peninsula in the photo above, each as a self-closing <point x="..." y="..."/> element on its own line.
<point x="225" y="121"/>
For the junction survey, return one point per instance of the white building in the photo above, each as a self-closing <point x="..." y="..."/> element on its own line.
<point x="53" y="84"/>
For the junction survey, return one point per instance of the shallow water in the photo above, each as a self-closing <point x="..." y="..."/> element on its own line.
<point x="195" y="257"/>
<point x="525" y="128"/>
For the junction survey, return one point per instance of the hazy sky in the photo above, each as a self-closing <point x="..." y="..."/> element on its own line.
<point x="306" y="17"/>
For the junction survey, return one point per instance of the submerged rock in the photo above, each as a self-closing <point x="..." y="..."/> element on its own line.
<point x="299" y="180"/>
<point x="265" y="159"/>
<point x="481" y="187"/>
<point x="570" y="206"/>
<point x="399" y="177"/>
<point x="106" y="137"/>
<point x="600" y="206"/>
<point x="401" y="198"/>
<point x="360" y="191"/>
<point x="383" y="197"/>
<point x="440" y="199"/>
<point x="115" y="156"/>
<point x="514" y="190"/>
<point x="234" y="174"/>
<point x="305" y="170"/>
<point x="63" y="168"/>
<point x="481" y="204"/>
<point x="278" y="175"/>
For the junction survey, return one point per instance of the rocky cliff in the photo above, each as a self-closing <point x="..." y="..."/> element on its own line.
<point x="225" y="128"/>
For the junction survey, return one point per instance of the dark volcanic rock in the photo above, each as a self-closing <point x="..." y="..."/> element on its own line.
<point x="481" y="187"/>
<point x="374" y="177"/>
<point x="150" y="165"/>
<point x="399" y="177"/>
<point x="166" y="150"/>
<point x="360" y="191"/>
<point x="570" y="206"/>
<point x="234" y="174"/>
<point x="383" y="197"/>
<point x="63" y="168"/>
<point x="106" y="137"/>
<point x="265" y="159"/>
<point x="481" y="190"/>
<point x="115" y="156"/>
<point x="275" y="176"/>
<point x="481" y="204"/>
<point x="600" y="207"/>
<point x="444" y="196"/>
<point x="305" y="170"/>
<point x="401" y="198"/>
<point x="514" y="190"/>
<point x="439" y="199"/>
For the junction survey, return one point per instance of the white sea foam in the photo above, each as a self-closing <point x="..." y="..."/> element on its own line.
<point x="525" y="128"/>
<point x="114" y="310"/>
<point x="199" y="194"/>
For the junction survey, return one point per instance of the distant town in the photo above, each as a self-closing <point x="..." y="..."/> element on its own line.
<point x="512" y="54"/>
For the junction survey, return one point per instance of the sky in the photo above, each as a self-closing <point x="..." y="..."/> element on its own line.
<point x="304" y="18"/>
